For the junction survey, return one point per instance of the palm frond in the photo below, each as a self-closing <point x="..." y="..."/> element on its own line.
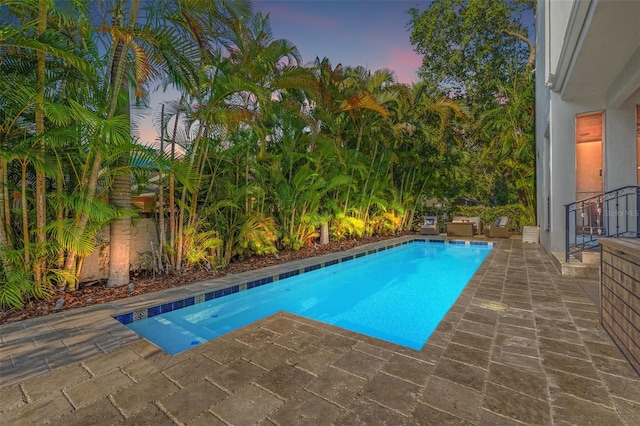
<point x="363" y="101"/>
<point x="69" y="58"/>
<point x="58" y="114"/>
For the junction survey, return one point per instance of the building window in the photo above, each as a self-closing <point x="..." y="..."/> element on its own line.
<point x="589" y="155"/>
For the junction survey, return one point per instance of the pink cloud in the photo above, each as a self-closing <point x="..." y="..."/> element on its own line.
<point x="146" y="133"/>
<point x="405" y="63"/>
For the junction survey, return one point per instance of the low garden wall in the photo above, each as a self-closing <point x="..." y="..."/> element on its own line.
<point x="144" y="240"/>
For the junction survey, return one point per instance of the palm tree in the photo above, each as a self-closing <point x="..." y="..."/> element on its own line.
<point x="344" y="100"/>
<point x="201" y="70"/>
<point x="39" y="121"/>
<point x="232" y="107"/>
<point x="42" y="53"/>
<point x="508" y="128"/>
<point x="120" y="193"/>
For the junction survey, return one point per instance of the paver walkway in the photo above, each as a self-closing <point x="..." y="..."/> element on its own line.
<point x="543" y="360"/>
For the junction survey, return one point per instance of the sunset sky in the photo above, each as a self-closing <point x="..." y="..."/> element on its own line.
<point x="370" y="33"/>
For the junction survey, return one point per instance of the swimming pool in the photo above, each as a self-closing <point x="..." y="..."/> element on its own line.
<point x="398" y="295"/>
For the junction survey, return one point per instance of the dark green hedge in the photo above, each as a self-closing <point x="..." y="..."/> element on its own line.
<point x="488" y="214"/>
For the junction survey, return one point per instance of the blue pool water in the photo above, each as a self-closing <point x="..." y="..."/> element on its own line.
<point x="398" y="295"/>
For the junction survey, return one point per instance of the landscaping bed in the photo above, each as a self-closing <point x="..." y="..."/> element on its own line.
<point x="98" y="292"/>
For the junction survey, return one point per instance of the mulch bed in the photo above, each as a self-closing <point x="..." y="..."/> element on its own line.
<point x="97" y="292"/>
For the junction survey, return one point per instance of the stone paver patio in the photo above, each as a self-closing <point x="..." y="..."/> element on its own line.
<point x="544" y="360"/>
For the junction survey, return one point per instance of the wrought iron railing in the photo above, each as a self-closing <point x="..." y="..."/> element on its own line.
<point x="611" y="214"/>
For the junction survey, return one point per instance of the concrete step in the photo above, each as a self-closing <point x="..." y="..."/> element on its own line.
<point x="576" y="267"/>
<point x="589" y="257"/>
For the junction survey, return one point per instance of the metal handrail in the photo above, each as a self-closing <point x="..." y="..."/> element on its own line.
<point x="610" y="214"/>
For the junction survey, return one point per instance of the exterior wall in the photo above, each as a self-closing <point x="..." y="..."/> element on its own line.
<point x="619" y="158"/>
<point x="543" y="154"/>
<point x="620" y="144"/>
<point x="558" y="19"/>
<point x="563" y="160"/>
<point x="563" y="33"/>
<point x="144" y="239"/>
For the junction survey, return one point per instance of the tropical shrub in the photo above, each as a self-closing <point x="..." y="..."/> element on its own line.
<point x="305" y="233"/>
<point x="253" y="235"/>
<point x="16" y="281"/>
<point x="200" y="247"/>
<point x="385" y="223"/>
<point x="343" y="226"/>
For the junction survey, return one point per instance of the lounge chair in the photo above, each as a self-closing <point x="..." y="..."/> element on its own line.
<point x="500" y="229"/>
<point x="429" y="226"/>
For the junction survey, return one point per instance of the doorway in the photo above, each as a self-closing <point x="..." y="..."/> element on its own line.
<point x="590" y="169"/>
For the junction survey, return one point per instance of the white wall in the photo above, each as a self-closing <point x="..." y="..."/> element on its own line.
<point x="620" y="144"/>
<point x="543" y="186"/>
<point x="563" y="178"/>
<point x="565" y="25"/>
<point x="558" y="19"/>
<point x="619" y="157"/>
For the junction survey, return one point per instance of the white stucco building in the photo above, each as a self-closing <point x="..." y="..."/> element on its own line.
<point x="587" y="119"/>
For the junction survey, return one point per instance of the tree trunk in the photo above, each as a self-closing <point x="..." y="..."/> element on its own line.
<point x="172" y="196"/>
<point x="324" y="233"/>
<point x="25" y="217"/>
<point x="6" y="200"/>
<point x="80" y="224"/>
<point x="60" y="211"/>
<point x="73" y="262"/>
<point x="183" y="203"/>
<point x="531" y="60"/>
<point x="41" y="217"/>
<point x="4" y="238"/>
<point x="120" y="229"/>
<point x="120" y="193"/>
<point x="162" y="236"/>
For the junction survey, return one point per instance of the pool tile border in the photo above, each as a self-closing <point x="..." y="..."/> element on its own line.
<point x="140" y="314"/>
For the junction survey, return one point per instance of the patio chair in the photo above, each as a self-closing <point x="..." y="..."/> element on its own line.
<point x="500" y="229"/>
<point x="429" y="226"/>
<point x="477" y="225"/>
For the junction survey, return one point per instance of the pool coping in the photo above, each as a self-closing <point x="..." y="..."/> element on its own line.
<point x="226" y="289"/>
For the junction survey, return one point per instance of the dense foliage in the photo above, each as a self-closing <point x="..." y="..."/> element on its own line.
<point x="481" y="54"/>
<point x="258" y="151"/>
<point x="470" y="45"/>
